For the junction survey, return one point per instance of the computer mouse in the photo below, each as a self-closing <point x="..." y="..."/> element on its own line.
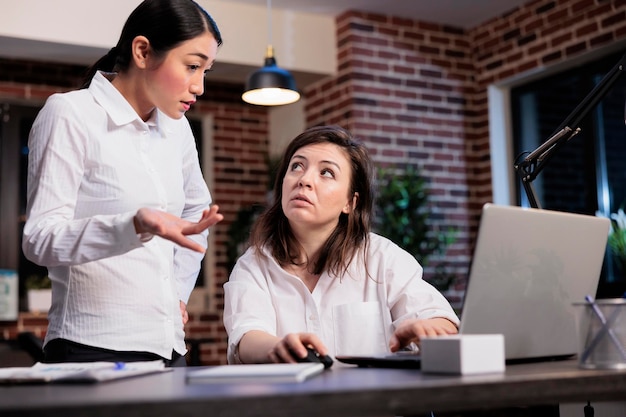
<point x="313" y="356"/>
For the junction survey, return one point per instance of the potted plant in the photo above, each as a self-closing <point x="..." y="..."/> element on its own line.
<point x="617" y="239"/>
<point x="403" y="216"/>
<point x="39" y="293"/>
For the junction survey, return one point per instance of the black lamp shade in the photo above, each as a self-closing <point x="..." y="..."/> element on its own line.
<point x="270" y="86"/>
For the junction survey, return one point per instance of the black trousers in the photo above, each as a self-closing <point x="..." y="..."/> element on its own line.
<point x="62" y="350"/>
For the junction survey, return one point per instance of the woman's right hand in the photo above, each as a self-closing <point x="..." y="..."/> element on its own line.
<point x="294" y="344"/>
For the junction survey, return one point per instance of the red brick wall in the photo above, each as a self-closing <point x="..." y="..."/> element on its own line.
<point x="34" y="323"/>
<point x="417" y="92"/>
<point x="240" y="146"/>
<point x="403" y="87"/>
<point x="413" y="91"/>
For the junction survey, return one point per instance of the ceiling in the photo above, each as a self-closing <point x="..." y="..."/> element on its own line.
<point x="460" y="13"/>
<point x="464" y="14"/>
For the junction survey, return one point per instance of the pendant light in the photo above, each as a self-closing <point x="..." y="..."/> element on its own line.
<point x="270" y="85"/>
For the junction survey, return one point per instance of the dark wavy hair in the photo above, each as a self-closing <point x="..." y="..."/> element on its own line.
<point x="165" y="23"/>
<point x="351" y="234"/>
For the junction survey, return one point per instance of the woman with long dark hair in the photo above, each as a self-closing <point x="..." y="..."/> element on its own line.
<point x="315" y="276"/>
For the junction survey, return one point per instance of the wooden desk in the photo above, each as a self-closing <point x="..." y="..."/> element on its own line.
<point x="342" y="391"/>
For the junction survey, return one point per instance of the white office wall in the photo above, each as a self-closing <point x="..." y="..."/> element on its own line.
<point x="501" y="145"/>
<point x="89" y="23"/>
<point x="303" y="41"/>
<point x="286" y="122"/>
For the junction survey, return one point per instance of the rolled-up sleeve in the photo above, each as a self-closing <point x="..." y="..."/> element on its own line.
<point x="247" y="303"/>
<point x="408" y="294"/>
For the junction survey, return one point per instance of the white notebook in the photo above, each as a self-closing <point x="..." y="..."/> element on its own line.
<point x="270" y="372"/>
<point x="79" y="372"/>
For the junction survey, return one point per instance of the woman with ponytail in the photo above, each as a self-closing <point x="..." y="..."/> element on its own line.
<point x="118" y="210"/>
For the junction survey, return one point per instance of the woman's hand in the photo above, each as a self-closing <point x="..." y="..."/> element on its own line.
<point x="294" y="344"/>
<point x="414" y="330"/>
<point x="184" y="313"/>
<point x="257" y="346"/>
<point x="170" y="227"/>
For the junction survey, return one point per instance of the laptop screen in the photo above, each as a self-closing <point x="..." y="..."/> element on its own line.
<point x="528" y="268"/>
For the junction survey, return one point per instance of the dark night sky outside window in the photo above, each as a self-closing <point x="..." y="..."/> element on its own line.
<point x="588" y="174"/>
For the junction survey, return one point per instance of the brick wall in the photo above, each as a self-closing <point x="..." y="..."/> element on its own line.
<point x="240" y="146"/>
<point x="35" y="323"/>
<point x="403" y="87"/>
<point x="417" y="92"/>
<point x="413" y="91"/>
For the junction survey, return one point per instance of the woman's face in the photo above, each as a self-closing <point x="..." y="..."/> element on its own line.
<point x="173" y="84"/>
<point x="316" y="188"/>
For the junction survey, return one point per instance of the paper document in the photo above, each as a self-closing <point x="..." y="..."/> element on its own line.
<point x="79" y="371"/>
<point x="270" y="372"/>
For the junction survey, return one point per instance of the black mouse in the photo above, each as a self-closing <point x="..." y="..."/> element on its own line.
<point x="313" y="356"/>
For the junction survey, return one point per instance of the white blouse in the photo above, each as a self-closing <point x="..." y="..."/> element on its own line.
<point x="92" y="164"/>
<point x="352" y="315"/>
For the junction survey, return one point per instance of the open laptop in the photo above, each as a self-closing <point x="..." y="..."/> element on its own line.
<point x="528" y="268"/>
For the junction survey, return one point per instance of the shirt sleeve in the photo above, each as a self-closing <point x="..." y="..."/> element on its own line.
<point x="246" y="287"/>
<point x="52" y="237"/>
<point x="408" y="294"/>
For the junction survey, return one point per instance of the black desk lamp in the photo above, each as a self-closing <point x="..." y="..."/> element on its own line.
<point x="534" y="162"/>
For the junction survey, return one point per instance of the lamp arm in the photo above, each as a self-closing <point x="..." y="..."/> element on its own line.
<point x="528" y="168"/>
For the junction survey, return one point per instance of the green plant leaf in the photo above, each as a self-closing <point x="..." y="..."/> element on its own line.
<point x="402" y="215"/>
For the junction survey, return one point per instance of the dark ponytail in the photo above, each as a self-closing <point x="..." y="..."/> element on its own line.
<point x="165" y="23"/>
<point x="106" y="64"/>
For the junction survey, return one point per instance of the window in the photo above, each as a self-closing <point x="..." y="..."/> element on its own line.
<point x="588" y="173"/>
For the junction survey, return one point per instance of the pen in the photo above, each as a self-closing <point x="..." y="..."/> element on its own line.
<point x="605" y="328"/>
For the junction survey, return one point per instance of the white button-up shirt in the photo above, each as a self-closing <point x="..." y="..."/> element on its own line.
<point x="92" y="164"/>
<point x="353" y="315"/>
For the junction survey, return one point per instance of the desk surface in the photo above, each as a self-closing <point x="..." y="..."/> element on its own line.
<point x="341" y="391"/>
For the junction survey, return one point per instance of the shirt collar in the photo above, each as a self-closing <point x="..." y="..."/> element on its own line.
<point x="113" y="102"/>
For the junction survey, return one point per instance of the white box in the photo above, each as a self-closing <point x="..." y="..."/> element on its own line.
<point x="39" y="301"/>
<point x="463" y="354"/>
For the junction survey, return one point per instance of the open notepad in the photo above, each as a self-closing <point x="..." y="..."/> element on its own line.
<point x="271" y="372"/>
<point x="79" y="371"/>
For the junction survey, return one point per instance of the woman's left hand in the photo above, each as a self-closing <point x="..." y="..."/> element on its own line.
<point x="414" y="330"/>
<point x="184" y="313"/>
<point x="174" y="228"/>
